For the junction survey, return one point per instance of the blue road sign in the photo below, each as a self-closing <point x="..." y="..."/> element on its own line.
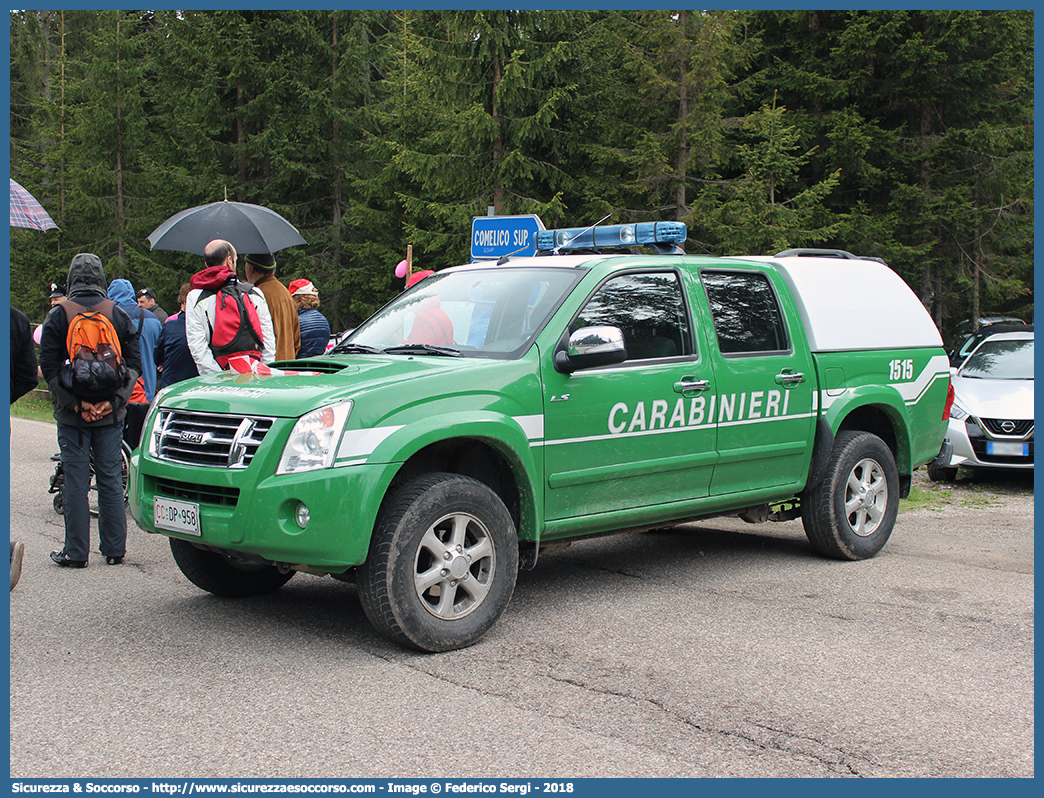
<point x="495" y="236"/>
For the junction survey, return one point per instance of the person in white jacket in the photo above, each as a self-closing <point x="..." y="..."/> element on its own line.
<point x="219" y="257"/>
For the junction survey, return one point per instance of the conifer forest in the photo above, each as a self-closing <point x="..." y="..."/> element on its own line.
<point x="902" y="135"/>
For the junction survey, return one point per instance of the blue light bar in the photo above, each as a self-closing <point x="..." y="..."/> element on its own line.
<point x="610" y="236"/>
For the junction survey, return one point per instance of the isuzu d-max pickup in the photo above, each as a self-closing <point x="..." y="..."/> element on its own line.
<point x="496" y="409"/>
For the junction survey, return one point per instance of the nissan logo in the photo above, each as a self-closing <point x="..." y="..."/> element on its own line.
<point x="1008" y="426"/>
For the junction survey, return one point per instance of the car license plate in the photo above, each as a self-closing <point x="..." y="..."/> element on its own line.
<point x="177" y="516"/>
<point x="1007" y="449"/>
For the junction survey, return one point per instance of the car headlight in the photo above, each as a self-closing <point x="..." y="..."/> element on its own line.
<point x="957" y="412"/>
<point x="313" y="441"/>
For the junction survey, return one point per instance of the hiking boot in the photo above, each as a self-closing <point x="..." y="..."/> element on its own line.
<point x="64" y="560"/>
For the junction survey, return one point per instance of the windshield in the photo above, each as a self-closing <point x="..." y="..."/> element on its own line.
<point x="1000" y="360"/>
<point x="492" y="311"/>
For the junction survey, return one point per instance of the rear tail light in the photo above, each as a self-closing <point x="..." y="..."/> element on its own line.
<point x="949" y="401"/>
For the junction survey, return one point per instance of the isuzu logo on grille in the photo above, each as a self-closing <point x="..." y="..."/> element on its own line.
<point x="209" y="440"/>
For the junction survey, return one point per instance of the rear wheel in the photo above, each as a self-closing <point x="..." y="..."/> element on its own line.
<point x="850" y="514"/>
<point x="223" y="576"/>
<point x="442" y="563"/>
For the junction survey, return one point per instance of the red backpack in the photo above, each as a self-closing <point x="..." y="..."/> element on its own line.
<point x="237" y="327"/>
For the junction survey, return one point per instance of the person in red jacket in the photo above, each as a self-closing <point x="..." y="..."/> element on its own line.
<point x="431" y="325"/>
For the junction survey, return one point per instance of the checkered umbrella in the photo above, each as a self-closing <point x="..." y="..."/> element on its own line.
<point x="27" y="212"/>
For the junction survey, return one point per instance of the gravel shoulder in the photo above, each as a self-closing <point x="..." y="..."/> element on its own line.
<point x="988" y="516"/>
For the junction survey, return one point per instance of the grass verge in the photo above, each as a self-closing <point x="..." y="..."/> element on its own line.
<point x="927" y="496"/>
<point x="35" y="404"/>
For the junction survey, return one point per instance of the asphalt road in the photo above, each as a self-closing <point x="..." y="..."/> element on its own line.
<point x="723" y="649"/>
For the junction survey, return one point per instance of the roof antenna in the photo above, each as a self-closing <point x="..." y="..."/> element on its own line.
<point x="589" y="227"/>
<point x="505" y="258"/>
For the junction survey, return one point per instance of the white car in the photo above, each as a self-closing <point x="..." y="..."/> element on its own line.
<point x="991" y="421"/>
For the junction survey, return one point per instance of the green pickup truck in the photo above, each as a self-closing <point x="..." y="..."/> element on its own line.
<point x="495" y="409"/>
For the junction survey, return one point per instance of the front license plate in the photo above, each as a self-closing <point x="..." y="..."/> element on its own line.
<point x="177" y="516"/>
<point x="1007" y="449"/>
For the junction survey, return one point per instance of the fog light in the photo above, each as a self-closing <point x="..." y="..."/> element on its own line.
<point x="303" y="515"/>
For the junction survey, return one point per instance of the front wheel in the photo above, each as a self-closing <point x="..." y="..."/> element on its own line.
<point x="851" y="513"/>
<point x="442" y="563"/>
<point x="222" y="576"/>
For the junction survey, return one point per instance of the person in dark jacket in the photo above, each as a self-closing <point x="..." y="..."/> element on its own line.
<point x="147" y="301"/>
<point x="172" y="349"/>
<point x="315" y="329"/>
<point x="90" y="430"/>
<point x="23" y="379"/>
<point x="23" y="356"/>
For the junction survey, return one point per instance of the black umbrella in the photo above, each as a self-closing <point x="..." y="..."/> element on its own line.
<point x="249" y="228"/>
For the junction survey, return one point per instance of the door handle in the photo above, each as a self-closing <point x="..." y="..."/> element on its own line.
<point x="787" y="378"/>
<point x="685" y="385"/>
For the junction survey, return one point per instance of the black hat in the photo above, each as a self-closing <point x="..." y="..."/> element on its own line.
<point x="57" y="290"/>
<point x="262" y="260"/>
<point x="147" y="292"/>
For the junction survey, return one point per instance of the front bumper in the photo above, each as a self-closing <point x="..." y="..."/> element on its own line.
<point x="976" y="443"/>
<point x="243" y="512"/>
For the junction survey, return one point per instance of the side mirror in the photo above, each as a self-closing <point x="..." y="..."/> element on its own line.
<point x="590" y="347"/>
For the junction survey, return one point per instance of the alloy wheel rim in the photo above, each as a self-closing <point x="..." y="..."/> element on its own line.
<point x="454" y="566"/>
<point x="866" y="497"/>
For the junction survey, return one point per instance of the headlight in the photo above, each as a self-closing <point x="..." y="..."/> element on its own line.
<point x="956" y="412"/>
<point x="152" y="435"/>
<point x="313" y="440"/>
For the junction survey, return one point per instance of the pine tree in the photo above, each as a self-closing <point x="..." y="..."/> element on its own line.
<point x="665" y="120"/>
<point x="768" y="209"/>
<point x="927" y="114"/>
<point x="479" y="121"/>
<point x="899" y="134"/>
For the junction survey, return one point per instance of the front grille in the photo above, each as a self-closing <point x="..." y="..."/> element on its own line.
<point x="193" y="492"/>
<point x="213" y="440"/>
<point x="1007" y="427"/>
<point x="979" y="440"/>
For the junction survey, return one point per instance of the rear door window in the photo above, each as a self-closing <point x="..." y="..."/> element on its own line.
<point x="747" y="318"/>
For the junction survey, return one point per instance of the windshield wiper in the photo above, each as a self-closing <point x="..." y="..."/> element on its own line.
<point x="348" y="348"/>
<point x="422" y="349"/>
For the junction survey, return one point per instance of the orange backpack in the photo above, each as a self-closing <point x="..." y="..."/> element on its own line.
<point x="95" y="369"/>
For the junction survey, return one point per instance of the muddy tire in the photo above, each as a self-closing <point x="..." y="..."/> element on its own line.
<point x="442" y="563"/>
<point x="851" y="513"/>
